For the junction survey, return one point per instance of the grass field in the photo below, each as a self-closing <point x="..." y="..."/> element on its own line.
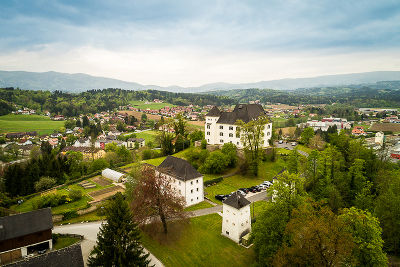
<point x="267" y="170"/>
<point x="90" y="217"/>
<point x="151" y="105"/>
<point x="148" y="135"/>
<point x="26" y="123"/>
<point x="199" y="206"/>
<point x="199" y="243"/>
<point x="64" y="241"/>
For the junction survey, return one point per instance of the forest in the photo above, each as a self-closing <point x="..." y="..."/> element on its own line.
<point x="94" y="101"/>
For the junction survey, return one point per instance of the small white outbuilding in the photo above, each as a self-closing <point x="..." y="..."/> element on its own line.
<point x="236" y="221"/>
<point x="112" y="175"/>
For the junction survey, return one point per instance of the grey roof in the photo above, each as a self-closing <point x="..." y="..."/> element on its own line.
<point x="67" y="257"/>
<point x="214" y="112"/>
<point x="179" y="168"/>
<point x="18" y="225"/>
<point x="244" y="112"/>
<point x="236" y="200"/>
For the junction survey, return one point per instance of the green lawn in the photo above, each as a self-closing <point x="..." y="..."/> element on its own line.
<point x="26" y="123"/>
<point x="199" y="206"/>
<point x="267" y="170"/>
<point x="200" y="243"/>
<point x="157" y="161"/>
<point x="148" y="135"/>
<point x="304" y="148"/>
<point x="91" y="216"/>
<point x="64" y="241"/>
<point x="27" y="205"/>
<point x="142" y="105"/>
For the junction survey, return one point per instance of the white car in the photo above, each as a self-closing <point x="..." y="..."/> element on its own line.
<point x="294" y="143"/>
<point x="280" y="142"/>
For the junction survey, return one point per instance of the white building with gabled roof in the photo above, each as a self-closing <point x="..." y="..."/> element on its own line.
<point x="236" y="219"/>
<point x="220" y="126"/>
<point x="186" y="180"/>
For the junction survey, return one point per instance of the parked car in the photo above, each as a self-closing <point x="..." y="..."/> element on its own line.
<point x="263" y="186"/>
<point x="245" y="190"/>
<point x="241" y="192"/>
<point x="42" y="251"/>
<point x="294" y="143"/>
<point x="220" y="197"/>
<point x="280" y="142"/>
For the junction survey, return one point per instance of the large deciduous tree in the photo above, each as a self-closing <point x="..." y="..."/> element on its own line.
<point x="315" y="236"/>
<point x="118" y="242"/>
<point x="153" y="196"/>
<point x="366" y="232"/>
<point x="252" y="136"/>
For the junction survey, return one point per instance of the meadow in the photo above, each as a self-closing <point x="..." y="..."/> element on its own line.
<point x="26" y="123"/>
<point x="151" y="105"/>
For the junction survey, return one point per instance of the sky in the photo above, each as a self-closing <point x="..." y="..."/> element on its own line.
<point x="191" y="43"/>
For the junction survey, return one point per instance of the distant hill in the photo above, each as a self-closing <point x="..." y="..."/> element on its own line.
<point x="81" y="82"/>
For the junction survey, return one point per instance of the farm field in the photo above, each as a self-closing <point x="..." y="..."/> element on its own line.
<point x="197" y="243"/>
<point x="151" y="105"/>
<point x="385" y="127"/>
<point x="26" y="123"/>
<point x="148" y="135"/>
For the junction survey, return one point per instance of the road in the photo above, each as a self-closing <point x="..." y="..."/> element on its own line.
<point x="288" y="145"/>
<point x="89" y="231"/>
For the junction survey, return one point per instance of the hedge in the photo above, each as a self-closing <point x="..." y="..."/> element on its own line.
<point x="213" y="181"/>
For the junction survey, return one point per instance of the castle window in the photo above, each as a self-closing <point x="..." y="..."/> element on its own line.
<point x="231" y="128"/>
<point x="208" y="133"/>
<point x="221" y="134"/>
<point x="208" y="127"/>
<point x="221" y="127"/>
<point x="221" y="141"/>
<point x="230" y="135"/>
<point x="191" y="191"/>
<point x="197" y="189"/>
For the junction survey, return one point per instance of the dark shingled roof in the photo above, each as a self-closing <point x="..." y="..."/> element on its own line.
<point x="67" y="257"/>
<point x="244" y="112"/>
<point x="214" y="112"/>
<point x="18" y="225"/>
<point x="236" y="200"/>
<point x="179" y="168"/>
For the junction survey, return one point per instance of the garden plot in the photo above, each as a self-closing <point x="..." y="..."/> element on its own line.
<point x="105" y="193"/>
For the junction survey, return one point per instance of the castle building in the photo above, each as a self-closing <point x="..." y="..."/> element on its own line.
<point x="220" y="126"/>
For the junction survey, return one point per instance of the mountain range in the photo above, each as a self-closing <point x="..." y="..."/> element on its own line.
<point x="79" y="82"/>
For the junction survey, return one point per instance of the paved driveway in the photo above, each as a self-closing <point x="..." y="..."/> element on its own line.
<point x="89" y="231"/>
<point x="288" y="145"/>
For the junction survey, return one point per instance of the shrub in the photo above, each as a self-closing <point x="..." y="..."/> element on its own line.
<point x="213" y="181"/>
<point x="204" y="144"/>
<point x="75" y="194"/>
<point x="50" y="200"/>
<point x="69" y="215"/>
<point x="44" y="183"/>
<point x="147" y="154"/>
<point x="196" y="156"/>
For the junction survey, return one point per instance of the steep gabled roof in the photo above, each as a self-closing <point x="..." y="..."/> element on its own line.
<point x="244" y="112"/>
<point x="179" y="168"/>
<point x="214" y="112"/>
<point x="236" y="200"/>
<point x="18" y="225"/>
<point x="67" y="257"/>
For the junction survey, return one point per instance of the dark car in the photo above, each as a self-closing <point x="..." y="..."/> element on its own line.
<point x="253" y="189"/>
<point x="220" y="197"/>
<point x="244" y="190"/>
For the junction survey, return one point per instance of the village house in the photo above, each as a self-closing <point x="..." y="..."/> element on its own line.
<point x="24" y="234"/>
<point x="358" y="131"/>
<point x="88" y="153"/>
<point x="236" y="221"/>
<point x="82" y="142"/>
<point x="186" y="180"/>
<point x="132" y="141"/>
<point x="220" y="126"/>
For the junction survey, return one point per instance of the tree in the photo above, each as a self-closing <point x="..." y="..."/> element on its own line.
<point x="69" y="124"/>
<point x="118" y="242"/>
<point x="165" y="141"/>
<point x="180" y="125"/>
<point x="216" y="163"/>
<point x="387" y="209"/>
<point x="144" y="117"/>
<point x="252" y="135"/>
<point x="153" y="196"/>
<point x="315" y="236"/>
<point x="294" y="161"/>
<point x="196" y="136"/>
<point x="317" y="142"/>
<point x="367" y="237"/>
<point x="229" y="150"/>
<point x="44" y="183"/>
<point x="306" y="135"/>
<point x="85" y="122"/>
<point x="46" y="148"/>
